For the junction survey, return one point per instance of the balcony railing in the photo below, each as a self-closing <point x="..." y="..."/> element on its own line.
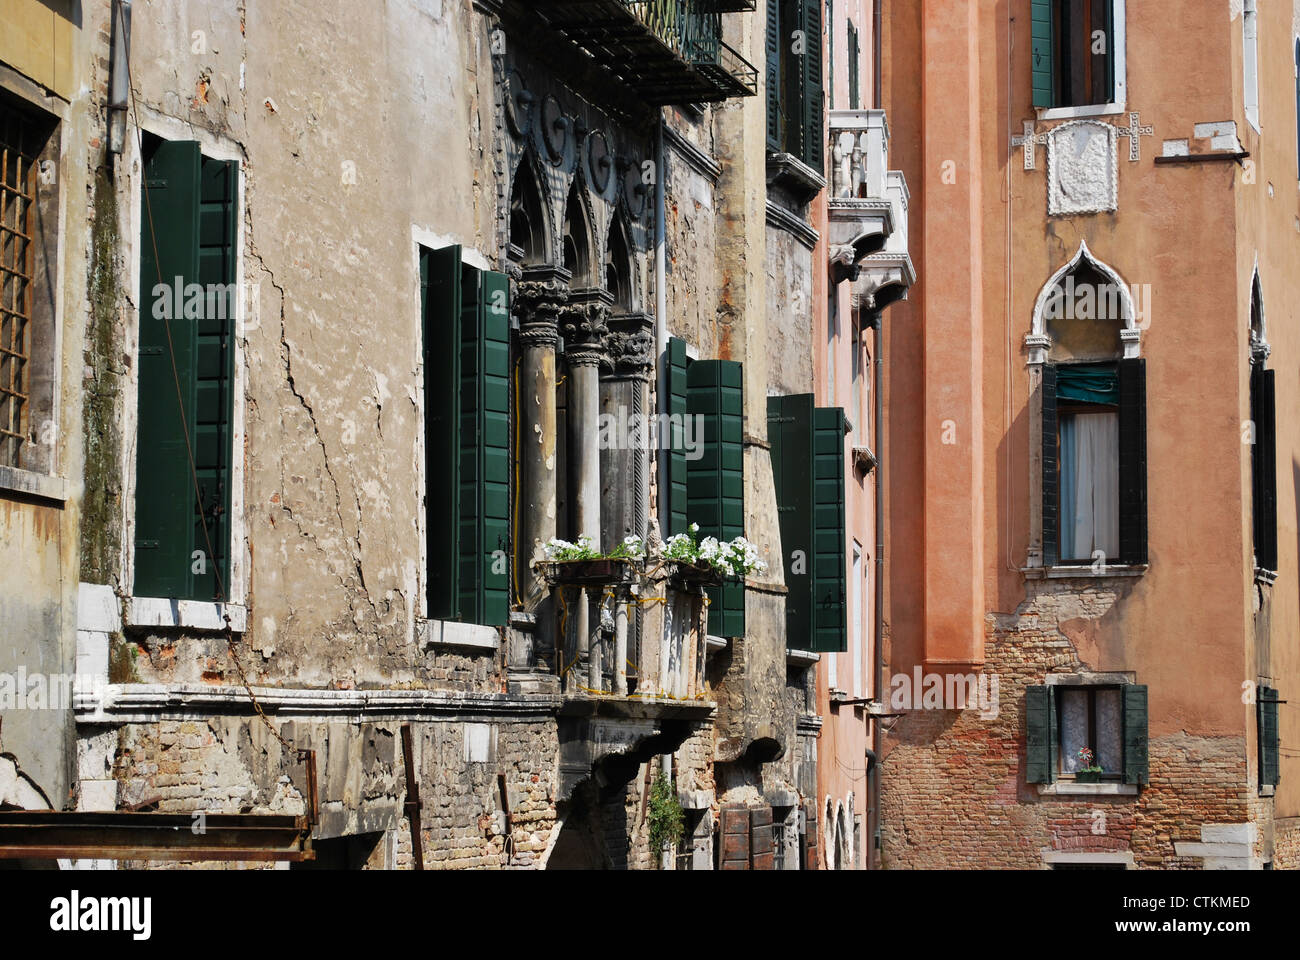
<point x="669" y="51"/>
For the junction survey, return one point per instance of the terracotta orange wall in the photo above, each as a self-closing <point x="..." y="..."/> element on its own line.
<point x="956" y="90"/>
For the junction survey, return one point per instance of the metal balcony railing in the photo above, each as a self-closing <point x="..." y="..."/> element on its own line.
<point x="669" y="51"/>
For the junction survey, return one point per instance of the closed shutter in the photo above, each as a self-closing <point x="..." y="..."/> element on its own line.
<point x="169" y="255"/>
<point x="1040" y="734"/>
<point x="1266" y="445"/>
<point x="1135" y="734"/>
<point x="214" y="375"/>
<point x="1041" y="52"/>
<point x="484" y="447"/>
<point x="733" y="834"/>
<point x="813" y="132"/>
<point x="790" y="432"/>
<point x="855" y="68"/>
<point x="441" y="307"/>
<point x="773" y="67"/>
<point x="830" y="626"/>
<point x="677" y="364"/>
<point x="762" y="852"/>
<point x="1132" y="461"/>
<point x="1269" y="738"/>
<point x="715" y="489"/>
<point x="1051" y="470"/>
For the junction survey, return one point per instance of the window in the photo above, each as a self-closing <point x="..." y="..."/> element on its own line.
<point x="855" y="67"/>
<point x="28" y="243"/>
<point x="808" y="473"/>
<point x="1109" y="720"/>
<point x="1250" y="62"/>
<point x="1263" y="438"/>
<point x="466" y="329"/>
<point x="1077" y="53"/>
<point x="794" y="79"/>
<point x="186" y="368"/>
<point x="1094" y="463"/>
<point x="830" y="54"/>
<point x="1266" y="702"/>
<point x="857" y="637"/>
<point x="779" y="841"/>
<point x="709" y="490"/>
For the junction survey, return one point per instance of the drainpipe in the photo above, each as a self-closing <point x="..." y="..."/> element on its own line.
<point x="878" y="685"/>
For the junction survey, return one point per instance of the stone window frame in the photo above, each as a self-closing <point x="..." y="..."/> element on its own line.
<point x="194" y="615"/>
<point x="39" y="477"/>
<point x="1039" y="345"/>
<point x="1119" y="103"/>
<point x="1065" y="788"/>
<point x="1052" y="857"/>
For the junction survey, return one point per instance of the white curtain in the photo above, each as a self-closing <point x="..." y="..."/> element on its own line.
<point x="1090" y="485"/>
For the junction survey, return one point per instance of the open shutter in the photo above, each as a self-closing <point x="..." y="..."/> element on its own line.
<point x="1269" y="739"/>
<point x="830" y="626"/>
<point x="1135" y="734"/>
<point x="1132" y="461"/>
<point x="1266" y="445"/>
<point x="855" y="68"/>
<point x="441" y="290"/>
<point x="214" y="376"/>
<point x="485" y="459"/>
<point x="1040" y="739"/>
<point x="789" y="430"/>
<point x="715" y="488"/>
<point x="677" y="364"/>
<point x="164" y="490"/>
<point x="1108" y="24"/>
<point x="1051" y="470"/>
<point x="1041" y="52"/>
<point x="773" y="68"/>
<point x="813" y="127"/>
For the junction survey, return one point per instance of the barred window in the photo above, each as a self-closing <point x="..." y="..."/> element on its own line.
<point x="19" y="150"/>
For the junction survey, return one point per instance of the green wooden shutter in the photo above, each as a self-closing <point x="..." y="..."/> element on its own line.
<point x="830" y="625"/>
<point x="441" y="311"/>
<point x="1040" y="734"/>
<point x="169" y="255"/>
<point x="214" y="376"/>
<point x="830" y="54"/>
<point x="1135" y="734"/>
<point x="813" y="127"/>
<point x="677" y="364"/>
<point x="1133" y="461"/>
<point x="773" y="69"/>
<point x="1266" y="703"/>
<point x="789" y="430"/>
<point x="1051" y="469"/>
<point x="1041" y="53"/>
<point x="855" y="68"/>
<point x="484" y="548"/>
<point x="715" y="487"/>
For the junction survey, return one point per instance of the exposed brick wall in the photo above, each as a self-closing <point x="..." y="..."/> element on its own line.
<point x="1286" y="844"/>
<point x="953" y="785"/>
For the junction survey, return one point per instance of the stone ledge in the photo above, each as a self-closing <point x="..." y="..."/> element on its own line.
<point x="1070" y="789"/>
<point x="1085" y="572"/>
<point x="199" y="615"/>
<point x="39" y="485"/>
<point x="1072" y="856"/>
<point x="449" y="633"/>
<point x="97" y="609"/>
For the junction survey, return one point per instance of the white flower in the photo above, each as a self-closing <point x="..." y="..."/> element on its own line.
<point x="694" y="528"/>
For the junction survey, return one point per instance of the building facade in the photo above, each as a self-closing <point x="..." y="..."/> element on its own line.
<point x="350" y="316"/>
<point x="1096" y="513"/>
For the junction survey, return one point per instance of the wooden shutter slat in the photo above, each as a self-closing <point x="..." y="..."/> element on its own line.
<point x="164" y="494"/>
<point x="1135" y="734"/>
<point x="1266" y="440"/>
<point x="1269" y="736"/>
<point x="440" y="276"/>
<point x="677" y="364"/>
<point x="1038" y="732"/>
<point x="811" y="99"/>
<point x="1041" y="53"/>
<point x="789" y="430"/>
<point x="1051" y="469"/>
<point x="773" y="70"/>
<point x="1132" y="461"/>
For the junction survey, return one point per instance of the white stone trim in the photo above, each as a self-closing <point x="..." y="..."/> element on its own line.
<point x="1039" y="343"/>
<point x="1223" y="846"/>
<point x="1072" y="856"/>
<point x="200" y="615"/>
<point x="97" y="608"/>
<point x="40" y="485"/>
<point x="451" y="633"/>
<point x="1057" y="204"/>
<point x="1069" y="788"/>
<point x="1120" y="103"/>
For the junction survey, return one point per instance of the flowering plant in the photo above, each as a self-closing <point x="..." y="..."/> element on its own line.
<point x="733" y="559"/>
<point x="1087" y="760"/>
<point x="632" y="548"/>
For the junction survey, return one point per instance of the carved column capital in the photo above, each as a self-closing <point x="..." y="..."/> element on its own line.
<point x="584" y="323"/>
<point x="539" y="296"/>
<point x="630" y="346"/>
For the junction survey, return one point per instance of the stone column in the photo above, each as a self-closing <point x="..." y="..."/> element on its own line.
<point x="583" y="325"/>
<point x="539" y="295"/>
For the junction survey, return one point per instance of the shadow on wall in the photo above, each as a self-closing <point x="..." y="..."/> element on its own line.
<point x="69" y="10"/>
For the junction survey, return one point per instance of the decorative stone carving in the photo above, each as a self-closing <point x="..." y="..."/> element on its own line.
<point x="538" y="299"/>
<point x="584" y="323"/>
<point x="630" y="346"/>
<point x="1082" y="170"/>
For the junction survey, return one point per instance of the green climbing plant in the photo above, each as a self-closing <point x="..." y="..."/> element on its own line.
<point x="665" y="817"/>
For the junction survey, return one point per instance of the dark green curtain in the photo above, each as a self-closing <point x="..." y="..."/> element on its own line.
<point x="1088" y="383"/>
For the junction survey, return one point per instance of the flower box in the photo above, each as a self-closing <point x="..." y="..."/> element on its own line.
<point x="702" y="574"/>
<point x="591" y="572"/>
<point x="1088" y="776"/>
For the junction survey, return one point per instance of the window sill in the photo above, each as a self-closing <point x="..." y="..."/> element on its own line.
<point x="787" y="170"/>
<point x="199" y="615"/>
<point x="450" y="633"/>
<point x="1268" y="577"/>
<point x="39" y="485"/>
<point x="1086" y="572"/>
<point x="801" y="658"/>
<point x="1078" y="113"/>
<point x="1071" y="789"/>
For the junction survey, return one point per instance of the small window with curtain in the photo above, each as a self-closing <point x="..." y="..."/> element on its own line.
<point x="1074" y="52"/>
<point x="1087" y="397"/>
